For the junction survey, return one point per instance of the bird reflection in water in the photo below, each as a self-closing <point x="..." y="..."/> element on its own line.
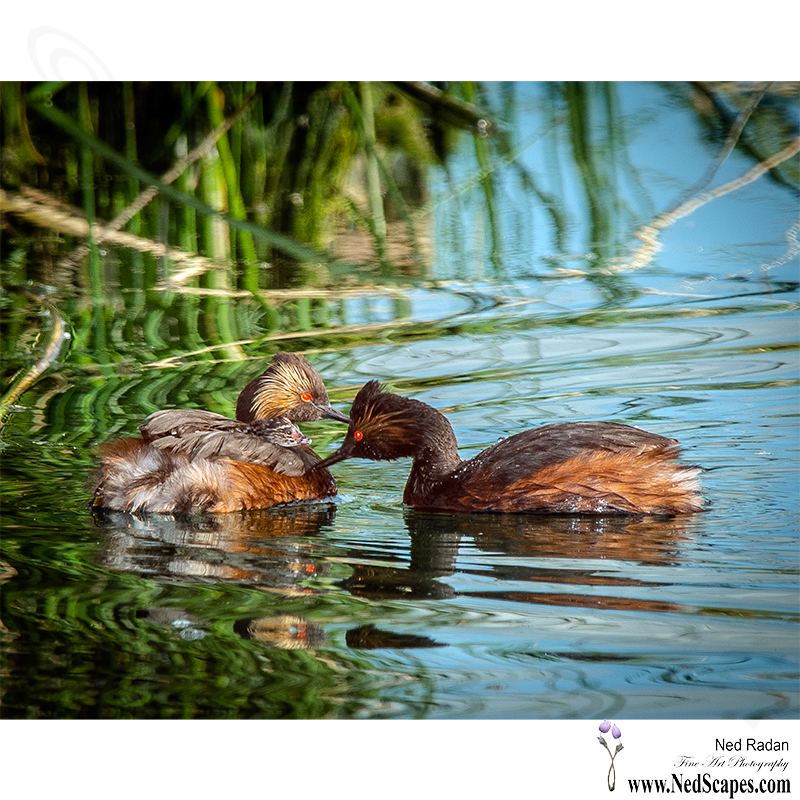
<point x="368" y="637"/>
<point x="268" y="548"/>
<point x="436" y="539"/>
<point x="283" y="631"/>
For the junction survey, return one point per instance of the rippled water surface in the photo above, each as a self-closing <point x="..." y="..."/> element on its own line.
<point x="364" y="609"/>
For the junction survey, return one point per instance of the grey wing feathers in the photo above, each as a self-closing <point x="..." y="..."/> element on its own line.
<point x="204" y="435"/>
<point x="180" y="421"/>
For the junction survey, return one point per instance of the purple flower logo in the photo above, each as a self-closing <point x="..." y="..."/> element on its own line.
<point x="606" y="726"/>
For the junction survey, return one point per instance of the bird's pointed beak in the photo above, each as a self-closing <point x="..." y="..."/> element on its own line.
<point x="328" y="412"/>
<point x="332" y="459"/>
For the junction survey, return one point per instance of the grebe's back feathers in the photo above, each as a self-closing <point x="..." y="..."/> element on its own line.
<point x="197" y="434"/>
<point x="559" y="442"/>
<point x="588" y="467"/>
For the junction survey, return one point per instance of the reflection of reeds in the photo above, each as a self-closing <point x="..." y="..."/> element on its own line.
<point x="266" y="191"/>
<point x="209" y="200"/>
<point x="363" y="114"/>
<point x="595" y="158"/>
<point x="373" y="174"/>
<point x="45" y="211"/>
<point x="63" y="121"/>
<point x="649" y="234"/>
<point x="57" y="336"/>
<point x="283" y="174"/>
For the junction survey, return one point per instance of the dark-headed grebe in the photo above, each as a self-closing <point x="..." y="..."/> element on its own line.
<point x="573" y="467"/>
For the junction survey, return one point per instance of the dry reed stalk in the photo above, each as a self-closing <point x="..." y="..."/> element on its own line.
<point x="649" y="234"/>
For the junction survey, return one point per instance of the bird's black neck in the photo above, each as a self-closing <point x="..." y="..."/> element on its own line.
<point x="435" y="453"/>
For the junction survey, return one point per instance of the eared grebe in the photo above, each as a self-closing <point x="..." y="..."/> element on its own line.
<point x="586" y="467"/>
<point x="192" y="460"/>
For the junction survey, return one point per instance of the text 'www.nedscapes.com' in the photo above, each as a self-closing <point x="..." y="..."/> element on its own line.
<point x="705" y="784"/>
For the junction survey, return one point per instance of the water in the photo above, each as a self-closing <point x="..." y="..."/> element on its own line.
<point x="363" y="609"/>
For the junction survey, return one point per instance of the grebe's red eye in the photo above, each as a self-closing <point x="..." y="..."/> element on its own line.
<point x="306" y="397"/>
<point x="358" y="436"/>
